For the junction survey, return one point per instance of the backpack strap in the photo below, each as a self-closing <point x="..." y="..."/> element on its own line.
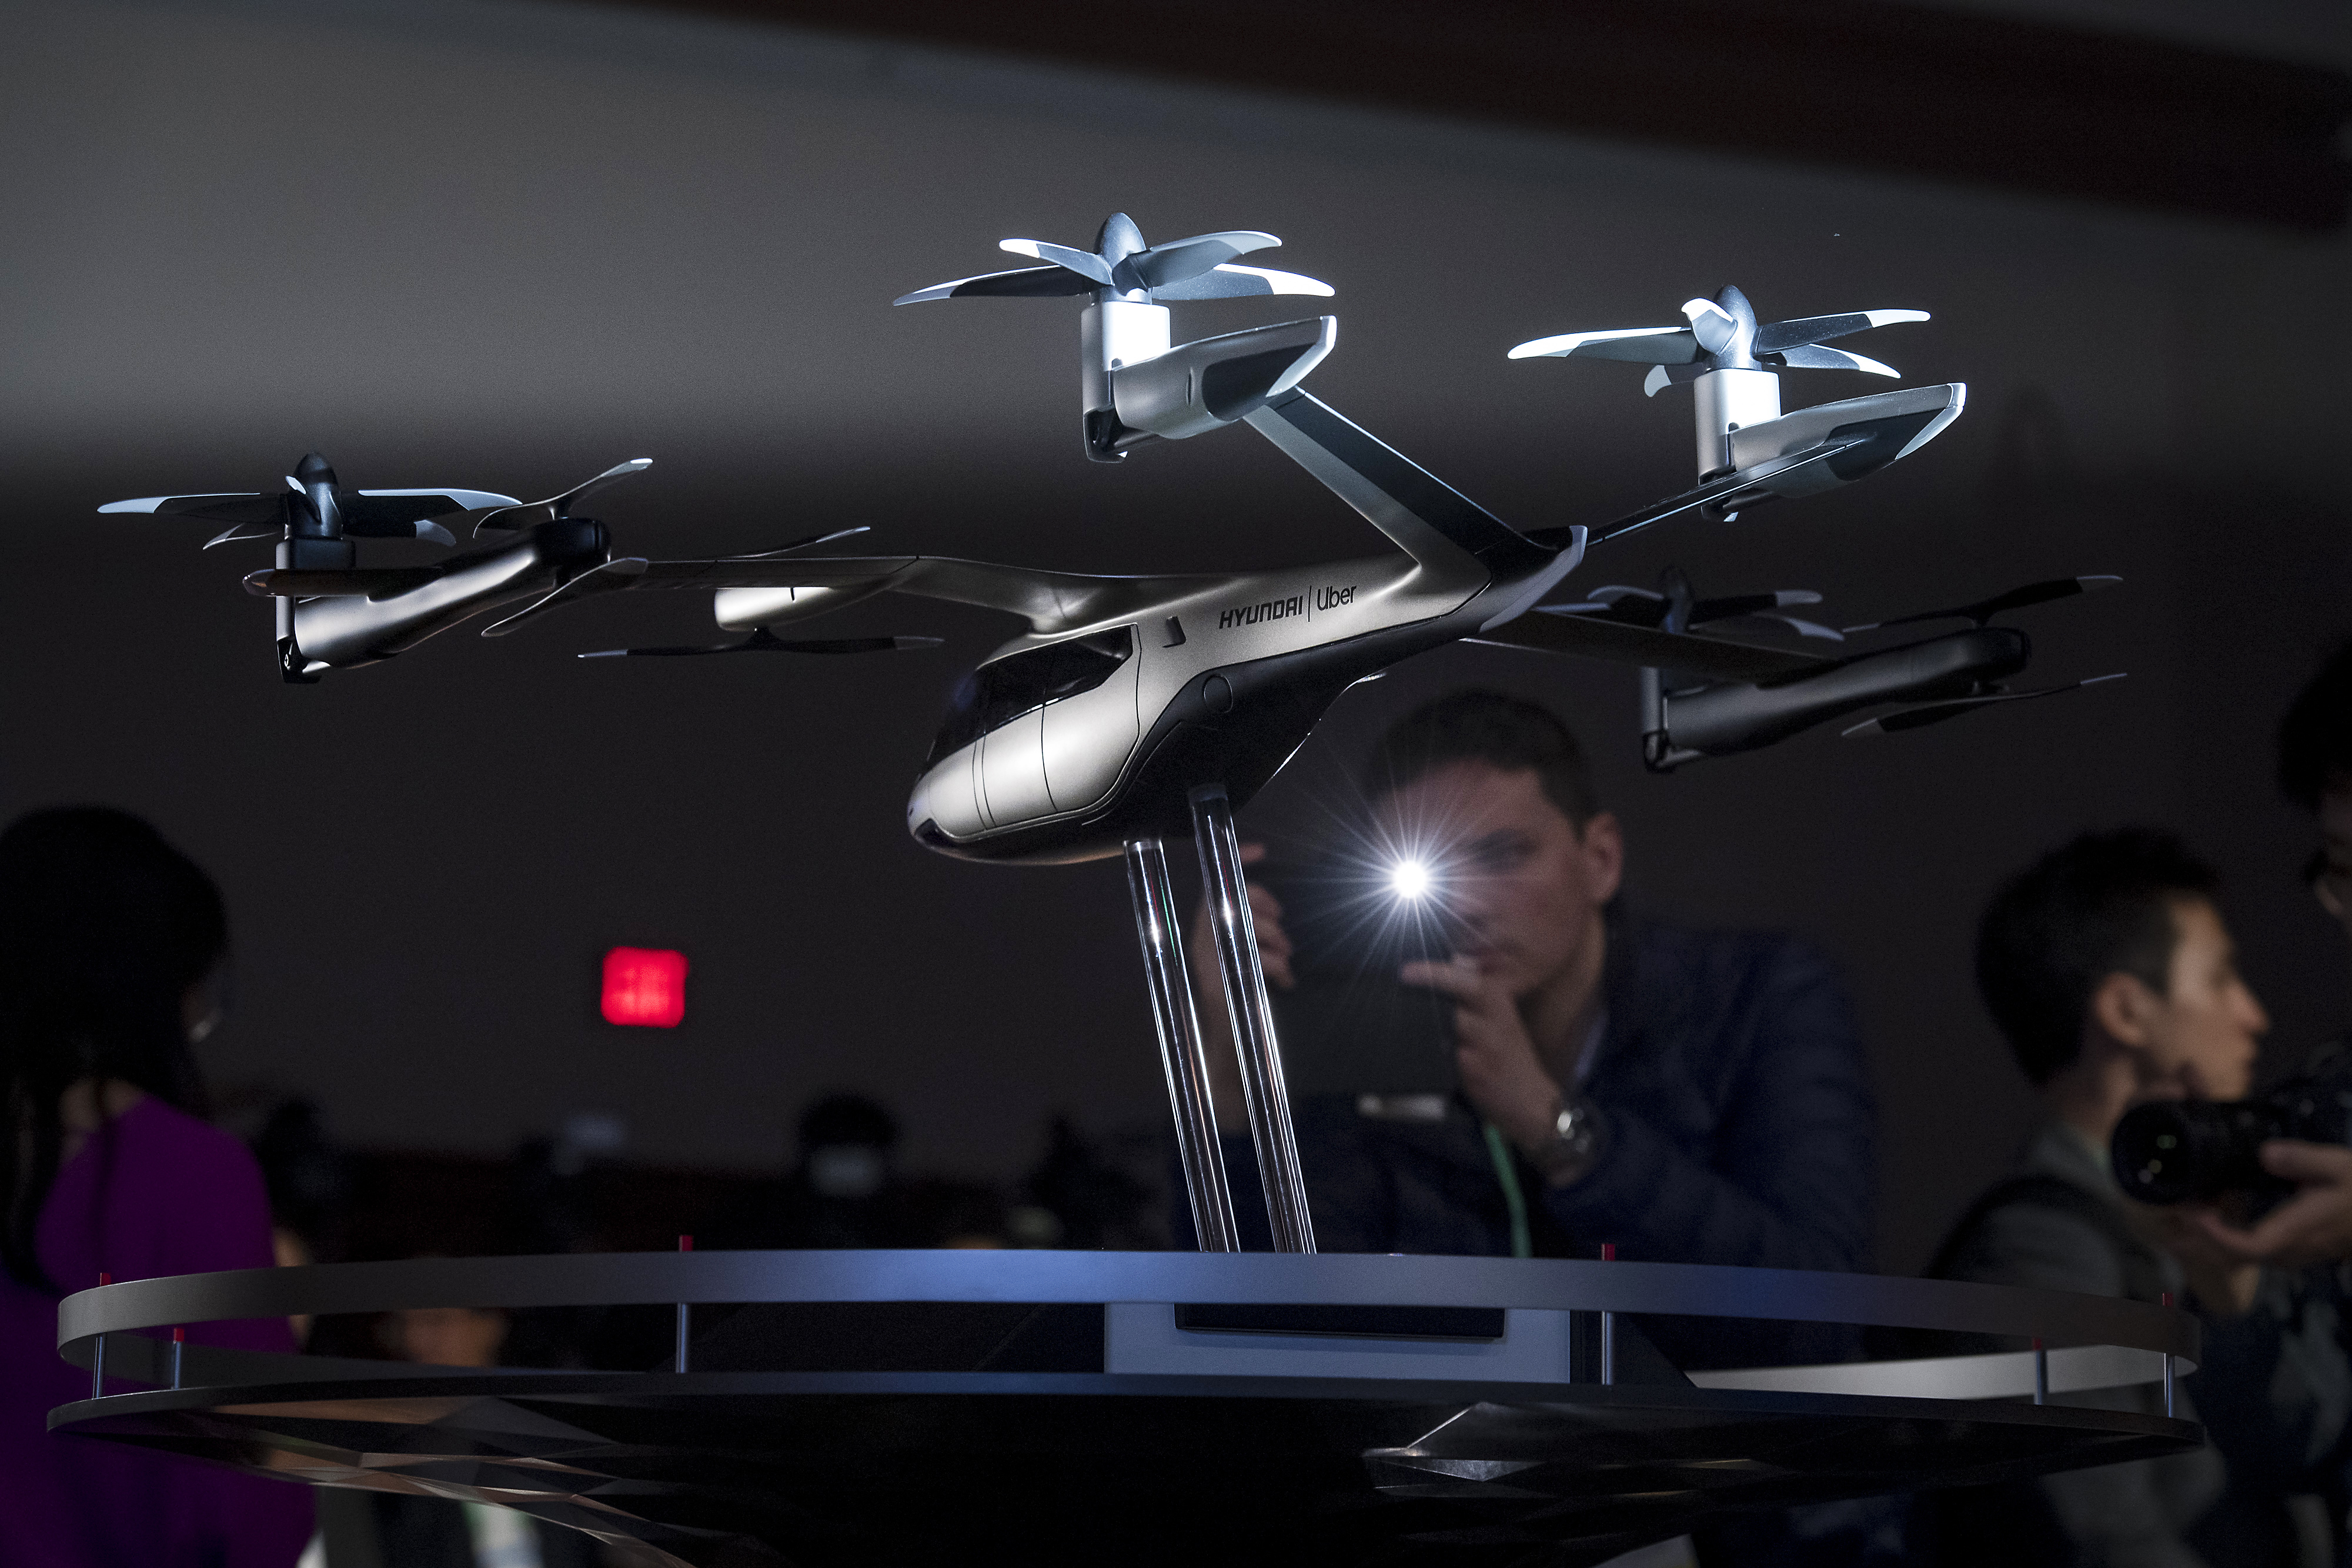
<point x="2143" y="1272"/>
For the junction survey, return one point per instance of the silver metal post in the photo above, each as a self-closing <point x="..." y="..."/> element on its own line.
<point x="2168" y="1368"/>
<point x="2041" y="1374"/>
<point x="1252" y="1015"/>
<point x="685" y="1315"/>
<point x="1159" y="927"/>
<point x="179" y="1343"/>
<point x="98" y="1353"/>
<point x="1607" y="1328"/>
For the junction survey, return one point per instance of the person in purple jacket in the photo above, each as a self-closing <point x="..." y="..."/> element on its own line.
<point x="111" y="947"/>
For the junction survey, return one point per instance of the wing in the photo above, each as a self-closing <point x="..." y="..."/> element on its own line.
<point x="1048" y="601"/>
<point x="1713" y="490"/>
<point x="1711" y="658"/>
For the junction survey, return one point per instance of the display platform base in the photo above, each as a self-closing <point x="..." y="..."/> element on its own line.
<point x="1326" y="1410"/>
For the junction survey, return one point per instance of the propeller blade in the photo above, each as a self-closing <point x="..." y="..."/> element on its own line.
<point x="347" y="583"/>
<point x="1661" y="377"/>
<point x="1711" y="324"/>
<point x="1639" y="345"/>
<point x="1780" y="335"/>
<point x="243" y="508"/>
<point x="1650" y="611"/>
<point x="613" y="577"/>
<point x="1189" y="258"/>
<point x="509" y="518"/>
<point x="1022" y="283"/>
<point x="812" y="540"/>
<point x="1083" y="262"/>
<point x="1118" y="239"/>
<point x="1937" y="713"/>
<point x="1749" y="603"/>
<point x="402" y="514"/>
<point x="237" y="532"/>
<point x="765" y="641"/>
<point x="1806" y="357"/>
<point x="1767" y="620"/>
<point x="1241" y="282"/>
<point x="2015" y="599"/>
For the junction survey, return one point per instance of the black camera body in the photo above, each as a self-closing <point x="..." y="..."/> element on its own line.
<point x="1348" y="1026"/>
<point x="2193" y="1151"/>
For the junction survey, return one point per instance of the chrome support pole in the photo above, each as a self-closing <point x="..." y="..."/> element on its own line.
<point x="684" y="1318"/>
<point x="1252" y="1015"/>
<point x="179" y="1346"/>
<point x="2041" y="1374"/>
<point x="98" y="1370"/>
<point x="1160" y="927"/>
<point x="2167" y="1299"/>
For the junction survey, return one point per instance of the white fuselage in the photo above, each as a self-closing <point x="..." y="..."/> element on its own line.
<point x="1035" y="762"/>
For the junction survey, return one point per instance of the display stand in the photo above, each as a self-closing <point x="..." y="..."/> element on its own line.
<point x="1159" y="926"/>
<point x="894" y="1408"/>
<point x="1250" y="1015"/>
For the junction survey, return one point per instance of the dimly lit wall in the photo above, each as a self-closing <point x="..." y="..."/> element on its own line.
<point x="506" y="245"/>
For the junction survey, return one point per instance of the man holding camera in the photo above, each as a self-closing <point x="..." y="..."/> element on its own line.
<point x="2109" y="970"/>
<point x="1686" y="1097"/>
<point x="2315" y="770"/>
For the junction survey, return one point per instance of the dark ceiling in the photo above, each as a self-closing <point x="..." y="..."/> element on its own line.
<point x="1979" y="100"/>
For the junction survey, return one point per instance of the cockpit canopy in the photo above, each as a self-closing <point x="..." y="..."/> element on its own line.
<point x="998" y="692"/>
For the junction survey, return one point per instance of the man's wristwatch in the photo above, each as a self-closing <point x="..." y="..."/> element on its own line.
<point x="1575" y="1142"/>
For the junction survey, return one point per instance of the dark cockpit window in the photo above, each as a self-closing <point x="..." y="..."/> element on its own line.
<point x="998" y="692"/>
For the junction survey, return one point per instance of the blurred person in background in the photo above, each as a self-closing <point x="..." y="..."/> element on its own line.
<point x="2315" y="771"/>
<point x="2108" y="969"/>
<point x="113" y="948"/>
<point x="843" y="1189"/>
<point x="378" y="1529"/>
<point x="310" y="1189"/>
<point x="1692" y="1097"/>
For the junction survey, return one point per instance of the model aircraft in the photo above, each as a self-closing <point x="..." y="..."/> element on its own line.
<point x="1940" y="678"/>
<point x="1086" y="732"/>
<point x="333" y="613"/>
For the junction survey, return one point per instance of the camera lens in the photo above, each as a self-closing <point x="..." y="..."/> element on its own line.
<point x="2183" y="1151"/>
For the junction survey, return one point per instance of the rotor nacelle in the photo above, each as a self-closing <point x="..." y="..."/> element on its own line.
<point x="1730" y="361"/>
<point x="1134" y="386"/>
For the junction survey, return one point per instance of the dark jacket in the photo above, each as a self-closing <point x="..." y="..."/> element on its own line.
<point x="2272" y="1389"/>
<point x="1737" y="1127"/>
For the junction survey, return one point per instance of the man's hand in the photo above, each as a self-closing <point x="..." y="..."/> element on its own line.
<point x="1209" y="984"/>
<point x="2312" y="1226"/>
<point x="1501" y="1074"/>
<point x="1273" y="941"/>
<point x="2223" y="1283"/>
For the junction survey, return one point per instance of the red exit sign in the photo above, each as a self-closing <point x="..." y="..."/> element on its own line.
<point x="645" y="987"/>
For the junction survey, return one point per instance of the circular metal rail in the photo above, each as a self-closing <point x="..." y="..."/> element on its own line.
<point x="1159" y="1407"/>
